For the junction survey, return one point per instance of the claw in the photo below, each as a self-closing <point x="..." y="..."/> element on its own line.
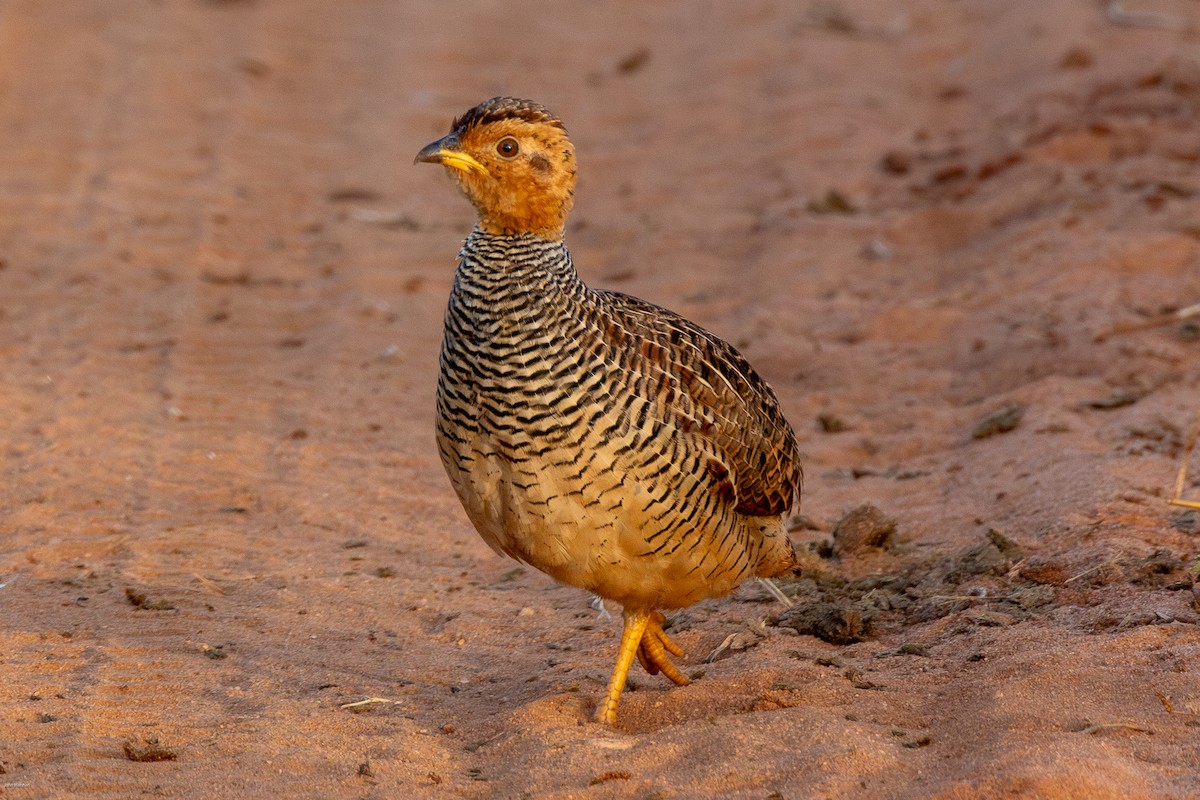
<point x="653" y="649"/>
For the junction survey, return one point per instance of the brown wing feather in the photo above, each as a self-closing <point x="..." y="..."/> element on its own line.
<point x="738" y="412"/>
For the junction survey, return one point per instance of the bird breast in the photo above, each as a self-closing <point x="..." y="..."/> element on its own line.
<point x="574" y="449"/>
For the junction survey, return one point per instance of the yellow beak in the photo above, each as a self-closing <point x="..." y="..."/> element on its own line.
<point x="445" y="151"/>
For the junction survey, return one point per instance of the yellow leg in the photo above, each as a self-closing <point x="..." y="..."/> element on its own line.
<point x="631" y="637"/>
<point x="643" y="637"/>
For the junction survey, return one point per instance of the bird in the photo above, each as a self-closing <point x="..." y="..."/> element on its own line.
<point x="600" y="438"/>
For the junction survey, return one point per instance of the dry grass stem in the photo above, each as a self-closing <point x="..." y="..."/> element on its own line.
<point x="369" y="701"/>
<point x="1153" y="322"/>
<point x="1181" y="478"/>
<point x="1108" y="726"/>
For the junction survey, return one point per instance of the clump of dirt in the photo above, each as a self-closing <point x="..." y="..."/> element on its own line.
<point x="863" y="528"/>
<point x="149" y="749"/>
<point x="142" y="600"/>
<point x="1002" y="421"/>
<point x="995" y="581"/>
<point x="833" y="621"/>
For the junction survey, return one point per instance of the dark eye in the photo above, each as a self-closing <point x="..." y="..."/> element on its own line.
<point x="507" y="147"/>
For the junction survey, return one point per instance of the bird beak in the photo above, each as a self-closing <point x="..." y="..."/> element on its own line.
<point x="445" y="151"/>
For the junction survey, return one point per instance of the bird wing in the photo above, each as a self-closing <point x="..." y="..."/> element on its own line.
<point x="708" y="388"/>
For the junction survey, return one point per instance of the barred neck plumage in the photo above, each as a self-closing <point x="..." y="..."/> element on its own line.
<point x="505" y="263"/>
<point x="513" y="286"/>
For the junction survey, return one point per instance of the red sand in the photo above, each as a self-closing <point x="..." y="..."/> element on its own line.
<point x="221" y="289"/>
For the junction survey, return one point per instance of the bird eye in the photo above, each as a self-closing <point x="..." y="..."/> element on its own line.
<point x="507" y="147"/>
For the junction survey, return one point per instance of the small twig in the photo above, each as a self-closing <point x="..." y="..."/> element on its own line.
<point x="1153" y="322"/>
<point x="1162" y="698"/>
<point x="1181" y="478"/>
<point x="754" y="633"/>
<point x="1104" y="726"/>
<point x="1087" y="572"/>
<point x="1117" y="15"/>
<point x="601" y="611"/>
<point x="367" y="702"/>
<point x="208" y="584"/>
<point x="776" y="592"/>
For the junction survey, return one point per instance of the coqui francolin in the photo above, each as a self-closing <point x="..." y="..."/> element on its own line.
<point x="604" y="440"/>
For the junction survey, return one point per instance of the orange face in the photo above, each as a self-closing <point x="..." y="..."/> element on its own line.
<point x="513" y="160"/>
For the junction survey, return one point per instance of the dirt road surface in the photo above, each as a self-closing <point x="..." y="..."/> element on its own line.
<point x="221" y="289"/>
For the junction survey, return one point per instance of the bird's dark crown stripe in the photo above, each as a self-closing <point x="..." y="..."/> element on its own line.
<point x="501" y="108"/>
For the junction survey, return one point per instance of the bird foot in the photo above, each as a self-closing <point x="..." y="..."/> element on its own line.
<point x="643" y="637"/>
<point x="652" y="651"/>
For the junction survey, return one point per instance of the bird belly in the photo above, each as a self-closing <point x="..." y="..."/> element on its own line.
<point x="610" y="533"/>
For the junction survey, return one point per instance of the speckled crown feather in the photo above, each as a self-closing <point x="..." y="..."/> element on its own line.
<point x="500" y="108"/>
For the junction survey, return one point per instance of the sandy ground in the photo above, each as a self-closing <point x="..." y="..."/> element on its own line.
<point x="221" y="289"/>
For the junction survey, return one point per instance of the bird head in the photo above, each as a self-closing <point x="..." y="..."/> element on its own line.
<point x="514" y="162"/>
